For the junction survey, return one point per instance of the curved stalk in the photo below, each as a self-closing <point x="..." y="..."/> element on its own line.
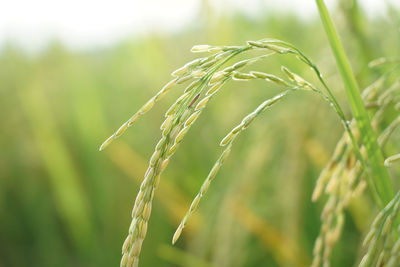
<point x="379" y="180"/>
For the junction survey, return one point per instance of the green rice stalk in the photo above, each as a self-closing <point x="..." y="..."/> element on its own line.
<point x="380" y="179"/>
<point x="382" y="244"/>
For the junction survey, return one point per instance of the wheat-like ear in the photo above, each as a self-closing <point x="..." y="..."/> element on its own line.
<point x="172" y="133"/>
<point x="383" y="245"/>
<point x="179" y="118"/>
<point x="342" y="179"/>
<point x="207" y="76"/>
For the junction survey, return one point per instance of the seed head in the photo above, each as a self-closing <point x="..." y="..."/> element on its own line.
<point x="200" y="48"/>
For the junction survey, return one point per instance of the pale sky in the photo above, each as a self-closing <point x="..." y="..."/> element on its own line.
<point x="90" y="23"/>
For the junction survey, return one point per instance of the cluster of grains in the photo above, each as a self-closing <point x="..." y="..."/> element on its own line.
<point x="179" y="118"/>
<point x="173" y="130"/>
<point x="383" y="246"/>
<point x="342" y="179"/>
<point x="206" y="80"/>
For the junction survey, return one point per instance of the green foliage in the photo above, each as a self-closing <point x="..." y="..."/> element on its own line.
<point x="63" y="203"/>
<point x="380" y="181"/>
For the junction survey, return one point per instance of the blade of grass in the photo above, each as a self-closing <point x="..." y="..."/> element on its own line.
<point x="379" y="180"/>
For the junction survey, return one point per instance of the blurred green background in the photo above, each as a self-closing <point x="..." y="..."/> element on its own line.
<point x="63" y="203"/>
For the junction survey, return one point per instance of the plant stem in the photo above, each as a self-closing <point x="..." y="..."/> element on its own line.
<point x="379" y="180"/>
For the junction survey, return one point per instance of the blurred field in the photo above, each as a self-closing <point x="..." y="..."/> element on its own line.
<point x="63" y="203"/>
